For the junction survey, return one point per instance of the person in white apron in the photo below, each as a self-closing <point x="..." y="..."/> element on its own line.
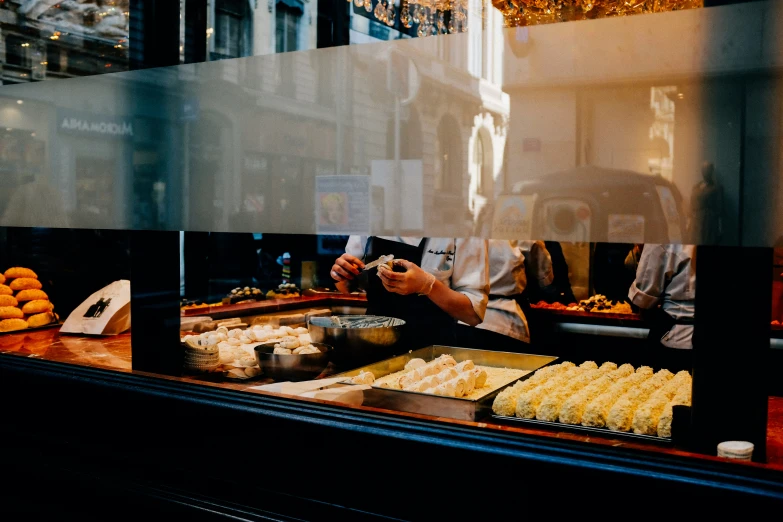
<point x="443" y="280"/>
<point x="665" y="290"/>
<point x="505" y="327"/>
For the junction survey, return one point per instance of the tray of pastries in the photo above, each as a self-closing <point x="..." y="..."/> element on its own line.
<point x="443" y="381"/>
<point x="616" y="401"/>
<point x="24" y="304"/>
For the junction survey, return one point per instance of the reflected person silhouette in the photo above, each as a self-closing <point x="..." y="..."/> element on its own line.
<point x="706" y="224"/>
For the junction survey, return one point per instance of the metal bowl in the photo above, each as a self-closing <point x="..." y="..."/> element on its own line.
<point x="353" y="341"/>
<point x="292" y="367"/>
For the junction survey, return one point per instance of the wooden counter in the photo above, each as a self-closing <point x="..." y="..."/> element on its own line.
<point x="114" y="353"/>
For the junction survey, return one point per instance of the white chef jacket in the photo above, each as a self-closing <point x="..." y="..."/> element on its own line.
<point x="508" y="261"/>
<point x="667" y="275"/>
<point x="459" y="263"/>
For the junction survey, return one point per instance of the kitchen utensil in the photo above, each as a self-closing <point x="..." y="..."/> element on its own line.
<point x="359" y="338"/>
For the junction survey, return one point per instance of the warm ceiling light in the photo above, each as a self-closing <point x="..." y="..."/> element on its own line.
<point x="20" y="102"/>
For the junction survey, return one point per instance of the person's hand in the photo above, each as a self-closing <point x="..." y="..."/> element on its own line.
<point x="413" y="281"/>
<point x="346" y="268"/>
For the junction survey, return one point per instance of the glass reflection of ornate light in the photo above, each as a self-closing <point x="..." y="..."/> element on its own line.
<point x="433" y="17"/>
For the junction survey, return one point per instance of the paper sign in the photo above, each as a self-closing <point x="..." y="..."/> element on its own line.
<point x="513" y="217"/>
<point x="625" y="228"/>
<point x="342" y="204"/>
<point x="106" y="312"/>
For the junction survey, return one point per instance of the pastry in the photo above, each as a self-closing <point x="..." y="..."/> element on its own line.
<point x="549" y="409"/>
<point x="573" y="408"/>
<point x="621" y="415"/>
<point x="37" y="307"/>
<point x="597" y="411"/>
<point x="648" y="415"/>
<point x="6" y="290"/>
<point x="31" y="295"/>
<point x="8" y="300"/>
<point x="25" y="283"/>
<point x="2" y="279"/>
<point x="10" y="312"/>
<point x="17" y="272"/>
<point x="11" y="325"/>
<point x="41" y="319"/>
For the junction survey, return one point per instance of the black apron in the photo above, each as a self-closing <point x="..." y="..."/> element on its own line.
<point x="425" y="323"/>
<point x="660" y="355"/>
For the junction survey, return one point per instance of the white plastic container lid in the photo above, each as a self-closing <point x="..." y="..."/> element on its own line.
<point x="736" y="449"/>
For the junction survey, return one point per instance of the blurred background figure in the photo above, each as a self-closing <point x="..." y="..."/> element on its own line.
<point x="36" y="203"/>
<point x="706" y="224"/>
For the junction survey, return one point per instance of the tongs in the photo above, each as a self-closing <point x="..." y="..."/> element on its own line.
<point x="380" y="261"/>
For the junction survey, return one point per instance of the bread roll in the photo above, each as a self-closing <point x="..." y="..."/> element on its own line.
<point x="6" y="290"/>
<point x="2" y="279"/>
<point x="8" y="300"/>
<point x="25" y="283"/>
<point x="11" y="325"/>
<point x="41" y="319"/>
<point x="38" y="306"/>
<point x="31" y="295"/>
<point x="18" y="272"/>
<point x="10" y="312"/>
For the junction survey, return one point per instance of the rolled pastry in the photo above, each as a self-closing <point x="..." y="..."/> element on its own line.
<point x="309" y="350"/>
<point x="446" y="375"/>
<point x="415" y="363"/>
<point x="445" y="361"/>
<point x="458" y="384"/>
<point x="443" y="390"/>
<point x="428" y="383"/>
<point x="451" y="388"/>
<point x="464" y="366"/>
<point x="481" y="377"/>
<point x="415" y="376"/>
<point x="470" y="381"/>
<point x="281" y="351"/>
<point x="621" y="415"/>
<point x="363" y="378"/>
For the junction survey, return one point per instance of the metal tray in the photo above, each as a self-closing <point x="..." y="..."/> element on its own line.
<point x="578" y="428"/>
<point x="33" y="329"/>
<point x="450" y="407"/>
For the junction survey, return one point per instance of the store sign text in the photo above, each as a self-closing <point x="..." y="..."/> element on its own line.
<point x="95" y="125"/>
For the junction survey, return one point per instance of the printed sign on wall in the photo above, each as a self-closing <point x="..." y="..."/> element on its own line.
<point x="342" y="205"/>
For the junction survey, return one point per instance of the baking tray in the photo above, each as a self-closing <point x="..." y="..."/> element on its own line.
<point x="33" y="329"/>
<point x="578" y="428"/>
<point x="450" y="407"/>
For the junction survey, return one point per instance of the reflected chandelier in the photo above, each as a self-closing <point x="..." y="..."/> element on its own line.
<point x="433" y="17"/>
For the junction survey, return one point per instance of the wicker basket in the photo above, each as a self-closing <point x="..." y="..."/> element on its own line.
<point x="201" y="358"/>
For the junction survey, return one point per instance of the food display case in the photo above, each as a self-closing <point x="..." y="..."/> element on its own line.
<point x="247" y="374"/>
